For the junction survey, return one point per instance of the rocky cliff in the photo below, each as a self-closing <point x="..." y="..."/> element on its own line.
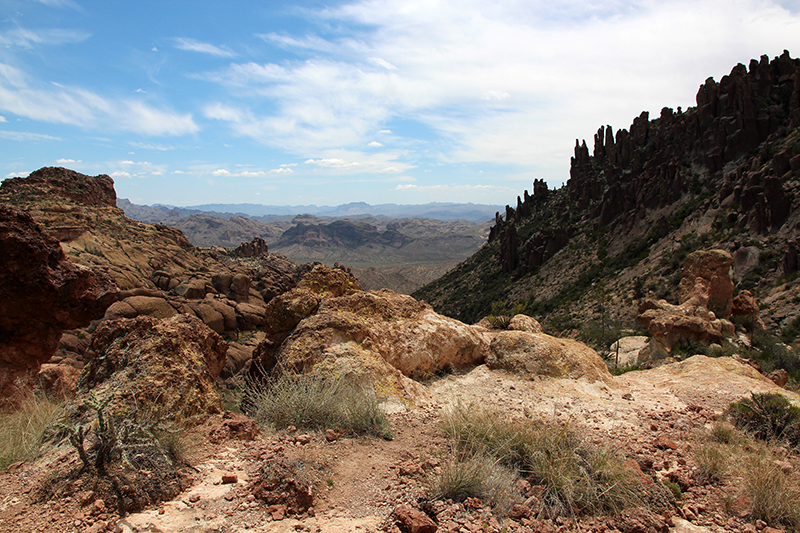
<point x="723" y="174"/>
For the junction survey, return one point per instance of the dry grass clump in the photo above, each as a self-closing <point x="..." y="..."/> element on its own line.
<point x="775" y="495"/>
<point x="477" y="476"/>
<point x="317" y="403"/>
<point x="713" y="461"/>
<point x="21" y="430"/>
<point x="577" y="477"/>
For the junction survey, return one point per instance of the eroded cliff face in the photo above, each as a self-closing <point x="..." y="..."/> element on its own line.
<point x="42" y="293"/>
<point x="723" y="174"/>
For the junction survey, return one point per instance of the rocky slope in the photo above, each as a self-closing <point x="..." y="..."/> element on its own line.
<point x="723" y="174"/>
<point x="405" y="253"/>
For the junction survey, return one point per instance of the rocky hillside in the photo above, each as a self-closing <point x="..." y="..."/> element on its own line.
<point x="400" y="254"/>
<point x="723" y="174"/>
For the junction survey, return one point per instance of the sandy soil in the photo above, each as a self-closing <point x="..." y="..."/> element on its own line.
<point x="360" y="481"/>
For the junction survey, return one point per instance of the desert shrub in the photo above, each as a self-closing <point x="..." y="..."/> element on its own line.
<point x="317" y="403"/>
<point x="502" y="313"/>
<point x="476" y="476"/>
<point x="775" y="496"/>
<point x="712" y="461"/>
<point x="767" y="416"/>
<point x="21" y="430"/>
<point x="578" y="477"/>
<point x="723" y="432"/>
<point x="674" y="488"/>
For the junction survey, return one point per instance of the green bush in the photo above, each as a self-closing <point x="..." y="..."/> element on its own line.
<point x="317" y="403"/>
<point x="768" y="416"/>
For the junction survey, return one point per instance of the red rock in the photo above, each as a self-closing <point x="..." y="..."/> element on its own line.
<point x="519" y="511"/>
<point x="641" y="520"/>
<point x="277" y="511"/>
<point x="413" y="520"/>
<point x="331" y="435"/>
<point x="42" y="294"/>
<point x="230" y="478"/>
<point x="661" y="442"/>
<point x="779" y="377"/>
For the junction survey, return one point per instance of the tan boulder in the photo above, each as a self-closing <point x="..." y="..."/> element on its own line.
<point x="134" y="306"/>
<point x="209" y="315"/>
<point x="249" y="316"/>
<point x="625" y="351"/>
<point x="539" y="354"/>
<point x="706" y="281"/>
<point x="227" y="309"/>
<point x="58" y="380"/>
<point x="525" y="323"/>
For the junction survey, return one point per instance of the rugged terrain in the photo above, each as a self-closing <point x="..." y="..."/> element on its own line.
<point x="724" y="174"/>
<point x="149" y="437"/>
<point x="396" y="252"/>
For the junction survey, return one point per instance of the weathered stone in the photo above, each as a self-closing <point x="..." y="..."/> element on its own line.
<point x="59" y="381"/>
<point x="42" y="294"/>
<point x="706" y="281"/>
<point x="525" y="323"/>
<point x="134" y="306"/>
<point x="146" y="365"/>
<point x="538" y="354"/>
<point x="413" y="520"/>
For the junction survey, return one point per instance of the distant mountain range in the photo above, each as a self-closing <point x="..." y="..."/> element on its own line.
<point x="268" y="213"/>
<point x="401" y="247"/>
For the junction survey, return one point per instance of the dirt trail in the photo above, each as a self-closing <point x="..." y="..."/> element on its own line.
<point x="361" y="480"/>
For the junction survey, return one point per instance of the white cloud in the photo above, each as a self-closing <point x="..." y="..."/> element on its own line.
<point x="63" y="161"/>
<point x="513" y="82"/>
<point x="221" y="172"/>
<point x="83" y="108"/>
<point x="333" y="163"/>
<point x="17" y="174"/>
<point x="193" y="45"/>
<point x="375" y="144"/>
<point x="385" y="131"/>
<point x="26" y="136"/>
<point x="26" y="38"/>
<point x="120" y="174"/>
<point x="3" y="119"/>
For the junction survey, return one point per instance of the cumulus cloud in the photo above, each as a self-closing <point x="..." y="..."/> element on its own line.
<point x="120" y="174"/>
<point x="64" y="161"/>
<point x="333" y="163"/>
<point x="3" y="119"/>
<point x="375" y="144"/>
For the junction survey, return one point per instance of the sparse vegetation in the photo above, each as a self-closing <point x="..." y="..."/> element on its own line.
<point x="502" y="314"/>
<point x="21" y="430"/>
<point x="767" y="416"/>
<point x="476" y="476"/>
<point x="775" y="496"/>
<point x="577" y="477"/>
<point x="317" y="403"/>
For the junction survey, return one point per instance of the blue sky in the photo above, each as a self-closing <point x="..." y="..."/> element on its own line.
<point x="381" y="101"/>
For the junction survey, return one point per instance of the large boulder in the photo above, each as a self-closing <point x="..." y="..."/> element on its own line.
<point x="706" y="281"/>
<point x="705" y="304"/>
<point x="42" y="294"/>
<point x="539" y="354"/>
<point x="162" y="368"/>
<point x="328" y="325"/>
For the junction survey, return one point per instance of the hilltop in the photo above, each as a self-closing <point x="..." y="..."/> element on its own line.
<point x="723" y="174"/>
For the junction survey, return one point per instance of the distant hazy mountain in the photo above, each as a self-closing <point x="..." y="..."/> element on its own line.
<point x="434" y="211"/>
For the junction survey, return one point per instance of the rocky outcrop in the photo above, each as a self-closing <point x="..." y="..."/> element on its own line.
<point x="42" y="294"/>
<point x="60" y="182"/>
<point x="706" y="282"/>
<point x="539" y="354"/>
<point x="328" y="325"/>
<point x="706" y="300"/>
<point x="165" y="369"/>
